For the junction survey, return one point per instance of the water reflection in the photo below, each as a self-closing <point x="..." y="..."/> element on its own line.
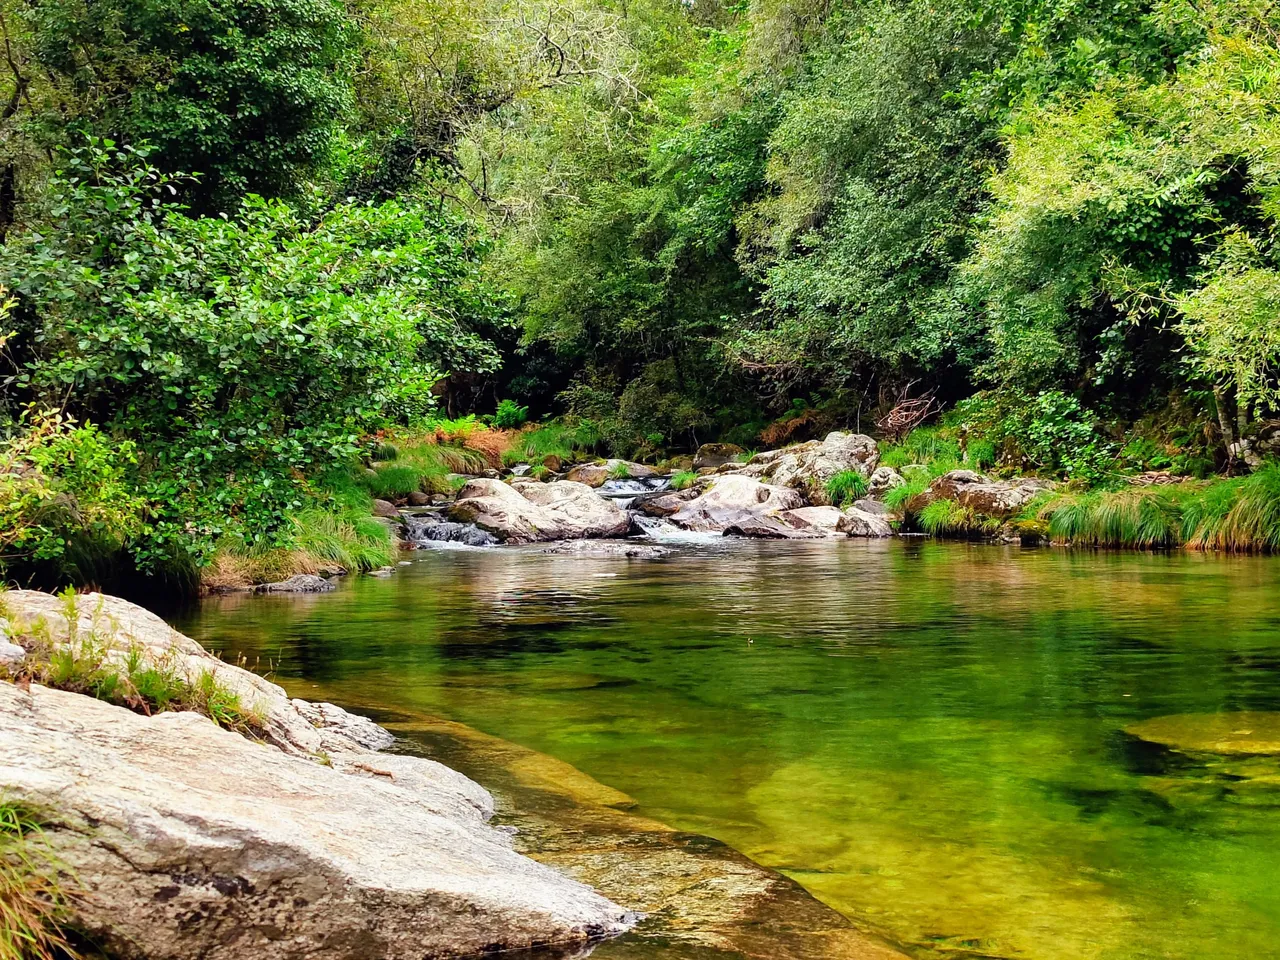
<point x="929" y="737"/>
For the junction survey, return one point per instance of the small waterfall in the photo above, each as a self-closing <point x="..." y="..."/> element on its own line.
<point x="430" y="530"/>
<point x="664" y="531"/>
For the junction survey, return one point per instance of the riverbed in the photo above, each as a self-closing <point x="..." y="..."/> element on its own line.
<point x="933" y="739"/>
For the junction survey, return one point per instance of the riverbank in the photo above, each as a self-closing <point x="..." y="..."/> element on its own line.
<point x="167" y="804"/>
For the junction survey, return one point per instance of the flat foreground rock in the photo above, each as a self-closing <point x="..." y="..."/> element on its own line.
<point x="190" y="841"/>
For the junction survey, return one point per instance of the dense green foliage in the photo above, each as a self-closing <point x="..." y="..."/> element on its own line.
<point x="245" y="239"/>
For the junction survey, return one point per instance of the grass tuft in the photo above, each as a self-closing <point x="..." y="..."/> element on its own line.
<point x="683" y="480"/>
<point x="33" y="901"/>
<point x="846" y="486"/>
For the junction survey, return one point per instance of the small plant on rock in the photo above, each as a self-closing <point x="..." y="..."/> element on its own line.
<point x="683" y="480"/>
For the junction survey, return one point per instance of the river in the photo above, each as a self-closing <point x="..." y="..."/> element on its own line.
<point x="933" y="739"/>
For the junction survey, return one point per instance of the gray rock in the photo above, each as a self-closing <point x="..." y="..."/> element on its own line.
<point x="382" y="572"/>
<point x="607" y="549"/>
<point x="189" y="841"/>
<point x="882" y="480"/>
<point x="11" y="654"/>
<point x="385" y="508"/>
<point x="715" y="455"/>
<point x="808" y="466"/>
<point x="663" y="503"/>
<point x="434" y="530"/>
<point x="999" y="499"/>
<point x="874" y="507"/>
<point x="417" y="498"/>
<point x="732" y="500"/>
<point x="859" y="523"/>
<point x="527" y="511"/>
<point x="330" y="718"/>
<point x="768" y="527"/>
<point x="298" y="583"/>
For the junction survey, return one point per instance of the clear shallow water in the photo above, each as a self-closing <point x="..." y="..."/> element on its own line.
<point x="929" y="737"/>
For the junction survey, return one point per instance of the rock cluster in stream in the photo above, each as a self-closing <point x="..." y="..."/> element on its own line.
<point x="779" y="494"/>
<point x="187" y="841"/>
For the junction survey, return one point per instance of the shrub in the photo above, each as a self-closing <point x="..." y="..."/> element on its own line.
<point x="510" y="415"/>
<point x="66" y="493"/>
<point x="846" y="486"/>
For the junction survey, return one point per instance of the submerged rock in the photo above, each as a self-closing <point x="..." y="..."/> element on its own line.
<point x="298" y="583"/>
<point x="732" y="500"/>
<point x="188" y="841"/>
<point x="529" y="512"/>
<point x="1253" y="733"/>
<point x="606" y="549"/>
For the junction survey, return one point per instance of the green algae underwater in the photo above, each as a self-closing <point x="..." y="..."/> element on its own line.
<point x="972" y="750"/>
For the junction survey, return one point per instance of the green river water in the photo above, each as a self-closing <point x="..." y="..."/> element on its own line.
<point x="930" y="738"/>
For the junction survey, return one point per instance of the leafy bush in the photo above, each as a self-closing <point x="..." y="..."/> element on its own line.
<point x="241" y="355"/>
<point x="846" y="486"/>
<point x="66" y="492"/>
<point x="510" y="415"/>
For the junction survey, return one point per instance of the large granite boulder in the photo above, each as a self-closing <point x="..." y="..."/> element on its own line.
<point x="999" y="499"/>
<point x="856" y="522"/>
<point x="808" y="467"/>
<point x="731" y="500"/>
<point x="186" y="841"/>
<point x="527" y="511"/>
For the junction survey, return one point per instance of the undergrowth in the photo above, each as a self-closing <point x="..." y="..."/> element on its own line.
<point x="1238" y="515"/>
<point x="565" y="442"/>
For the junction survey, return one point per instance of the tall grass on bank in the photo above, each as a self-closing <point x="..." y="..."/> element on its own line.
<point x="1238" y="515"/>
